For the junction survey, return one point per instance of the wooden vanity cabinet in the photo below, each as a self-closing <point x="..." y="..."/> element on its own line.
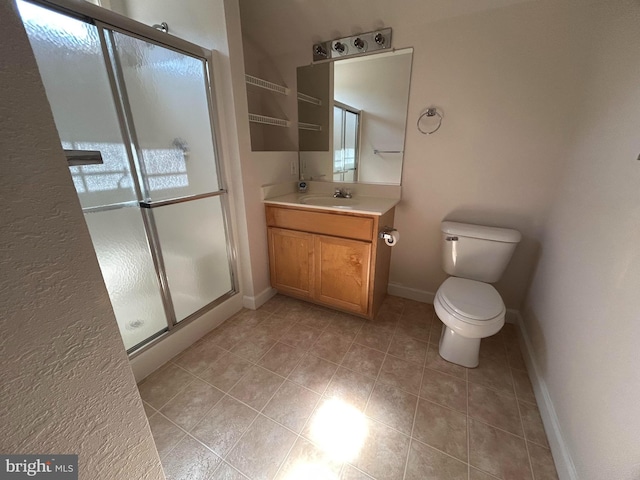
<point x="333" y="259"/>
<point x="291" y="262"/>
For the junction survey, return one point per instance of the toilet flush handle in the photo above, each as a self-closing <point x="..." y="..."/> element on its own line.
<point x="451" y="239"/>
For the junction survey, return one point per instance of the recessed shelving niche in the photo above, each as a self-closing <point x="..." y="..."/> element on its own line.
<point x="270" y="125"/>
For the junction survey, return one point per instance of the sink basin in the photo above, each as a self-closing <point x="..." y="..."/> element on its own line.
<point x="326" y="201"/>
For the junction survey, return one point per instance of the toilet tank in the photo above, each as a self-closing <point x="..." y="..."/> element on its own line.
<point x="477" y="252"/>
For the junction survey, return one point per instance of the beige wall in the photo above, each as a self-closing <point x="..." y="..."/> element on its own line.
<point x="506" y="81"/>
<point x="66" y="382"/>
<point x="582" y="314"/>
<point x="540" y="134"/>
<point x="506" y="75"/>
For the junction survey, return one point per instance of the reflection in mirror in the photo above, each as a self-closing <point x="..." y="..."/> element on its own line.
<point x="353" y="128"/>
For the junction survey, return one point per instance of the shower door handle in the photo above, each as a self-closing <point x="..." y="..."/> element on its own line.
<point x="188" y="198"/>
<point x="77" y="158"/>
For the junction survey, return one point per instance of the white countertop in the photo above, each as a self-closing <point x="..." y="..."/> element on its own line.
<point x="357" y="204"/>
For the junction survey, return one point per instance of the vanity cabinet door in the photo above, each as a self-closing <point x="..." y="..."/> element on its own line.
<point x="342" y="269"/>
<point x="291" y="261"/>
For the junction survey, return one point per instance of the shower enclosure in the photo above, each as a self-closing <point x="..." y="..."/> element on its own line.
<point x="156" y="206"/>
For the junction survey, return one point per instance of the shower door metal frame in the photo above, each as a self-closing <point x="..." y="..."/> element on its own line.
<point x="344" y="108"/>
<point x="107" y="22"/>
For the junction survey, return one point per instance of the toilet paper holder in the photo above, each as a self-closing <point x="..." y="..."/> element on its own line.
<point x="385" y="233"/>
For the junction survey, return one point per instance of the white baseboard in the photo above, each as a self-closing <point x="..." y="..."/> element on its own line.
<point x="410" y="293"/>
<point x="257" y="301"/>
<point x="428" y="297"/>
<point x="564" y="463"/>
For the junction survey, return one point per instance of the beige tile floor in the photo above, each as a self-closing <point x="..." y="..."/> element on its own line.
<point x="294" y="391"/>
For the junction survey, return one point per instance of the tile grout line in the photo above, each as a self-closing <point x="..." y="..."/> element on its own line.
<point x="415" y="411"/>
<point x="384" y="359"/>
<point x="386" y="354"/>
<point x="340" y="365"/>
<point x="227" y="393"/>
<point x="515" y="391"/>
<point x="181" y="390"/>
<point x="524" y="433"/>
<point x="223" y="462"/>
<point x="375" y="382"/>
<point x="254" y="363"/>
<point x="196" y="377"/>
<point x="297" y="435"/>
<point x="323" y="393"/>
<point x="188" y="433"/>
<point x="413" y="439"/>
<point x="260" y="412"/>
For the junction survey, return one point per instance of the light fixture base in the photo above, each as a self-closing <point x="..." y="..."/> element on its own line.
<point x="354" y="45"/>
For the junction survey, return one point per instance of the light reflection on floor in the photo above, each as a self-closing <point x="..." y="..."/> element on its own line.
<point x="339" y="429"/>
<point x="311" y="471"/>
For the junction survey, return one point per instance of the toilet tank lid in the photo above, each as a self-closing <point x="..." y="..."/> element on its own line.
<point x="496" y="234"/>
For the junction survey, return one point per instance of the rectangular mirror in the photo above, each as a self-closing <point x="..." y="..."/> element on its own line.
<point x="352" y="116"/>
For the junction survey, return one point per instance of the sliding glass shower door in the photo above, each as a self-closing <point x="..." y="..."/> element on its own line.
<point x="156" y="207"/>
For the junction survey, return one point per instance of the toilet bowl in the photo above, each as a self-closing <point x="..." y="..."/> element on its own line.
<point x="467" y="304"/>
<point x="470" y="310"/>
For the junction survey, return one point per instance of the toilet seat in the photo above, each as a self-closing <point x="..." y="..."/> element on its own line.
<point x="470" y="308"/>
<point x="471" y="301"/>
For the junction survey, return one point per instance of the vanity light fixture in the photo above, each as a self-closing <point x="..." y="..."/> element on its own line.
<point x="360" y="44"/>
<point x="319" y="51"/>
<point x="341" y="48"/>
<point x="354" y="45"/>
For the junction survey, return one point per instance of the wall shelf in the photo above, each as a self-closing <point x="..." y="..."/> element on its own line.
<point x="272" y="87"/>
<point x="263" y="119"/>
<point x="309" y="126"/>
<point x="303" y="97"/>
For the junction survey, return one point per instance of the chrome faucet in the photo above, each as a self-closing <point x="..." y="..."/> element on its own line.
<point x="342" y="193"/>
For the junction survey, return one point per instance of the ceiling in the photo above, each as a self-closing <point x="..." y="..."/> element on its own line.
<point x="272" y="24"/>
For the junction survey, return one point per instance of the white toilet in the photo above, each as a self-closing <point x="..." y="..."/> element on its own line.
<point x="469" y="307"/>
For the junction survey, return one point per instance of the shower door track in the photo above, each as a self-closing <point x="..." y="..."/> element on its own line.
<point x="107" y="22"/>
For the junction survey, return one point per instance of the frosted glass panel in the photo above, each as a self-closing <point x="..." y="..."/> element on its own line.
<point x="194" y="249"/>
<point x="167" y="96"/>
<point x="128" y="271"/>
<point x="164" y="94"/>
<point x="73" y="70"/>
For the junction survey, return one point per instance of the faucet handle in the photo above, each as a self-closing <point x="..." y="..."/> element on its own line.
<point x="347" y="193"/>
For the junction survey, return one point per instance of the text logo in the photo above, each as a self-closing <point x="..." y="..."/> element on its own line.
<point x="45" y="467"/>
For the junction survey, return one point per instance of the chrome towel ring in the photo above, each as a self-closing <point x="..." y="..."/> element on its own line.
<point x="430" y="112"/>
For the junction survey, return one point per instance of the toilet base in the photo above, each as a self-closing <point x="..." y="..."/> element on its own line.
<point x="457" y="349"/>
